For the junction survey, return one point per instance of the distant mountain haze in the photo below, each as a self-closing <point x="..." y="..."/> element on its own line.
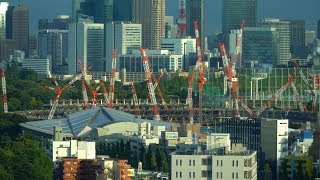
<point x="294" y="9"/>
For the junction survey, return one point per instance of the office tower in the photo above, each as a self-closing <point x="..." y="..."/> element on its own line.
<point x="233" y="11"/>
<point x="103" y="11"/>
<point x="260" y="44"/>
<point x="283" y="27"/>
<point x="233" y="38"/>
<point x="170" y="28"/>
<point x="151" y="14"/>
<point x="60" y="22"/>
<point x="310" y="36"/>
<point x="122" y="10"/>
<point x="318" y="29"/>
<point x="297" y="38"/>
<point x="122" y="36"/>
<point x="3" y="11"/>
<point x="52" y="44"/>
<point x="76" y="9"/>
<point x="195" y="10"/>
<point x="85" y="41"/>
<point x="33" y="46"/>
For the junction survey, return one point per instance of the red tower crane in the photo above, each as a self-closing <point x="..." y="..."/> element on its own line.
<point x="182" y="20"/>
<point x="112" y="79"/>
<point x="135" y="100"/>
<point x="4" y="91"/>
<point x="84" y="94"/>
<point x="146" y="67"/>
<point x="59" y="91"/>
<point x="104" y="93"/>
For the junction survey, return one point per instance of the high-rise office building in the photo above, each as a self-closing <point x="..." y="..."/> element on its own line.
<point x="3" y="11"/>
<point x="297" y="38"/>
<point x="122" y="10"/>
<point x="260" y="44"/>
<point x="76" y="9"/>
<point x="151" y="14"/>
<point x="52" y="44"/>
<point x="85" y="41"/>
<point x="310" y="36"/>
<point x="171" y="27"/>
<point x="100" y="10"/>
<point x="283" y="27"/>
<point x="61" y="23"/>
<point x="17" y="28"/>
<point x="122" y="36"/>
<point x="195" y="10"/>
<point x="234" y="11"/>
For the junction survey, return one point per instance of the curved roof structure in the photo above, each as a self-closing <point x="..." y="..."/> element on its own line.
<point x="96" y="117"/>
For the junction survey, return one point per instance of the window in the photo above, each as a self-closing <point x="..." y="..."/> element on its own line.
<point x="237" y="163"/>
<point x="236" y="175"/>
<point x="217" y="175"/>
<point x="176" y="174"/>
<point x="189" y="174"/>
<point x="75" y="163"/>
<point x="210" y="161"/>
<point x="194" y="162"/>
<point x="232" y="163"/>
<point x="194" y="175"/>
<point x="67" y="162"/>
<point x="180" y="162"/>
<point x="204" y="161"/>
<point x="204" y="173"/>
<point x="217" y="162"/>
<point x="221" y="175"/>
<point x="220" y="162"/>
<point x="180" y="174"/>
<point x="189" y="162"/>
<point x="177" y="162"/>
<point x="232" y="175"/>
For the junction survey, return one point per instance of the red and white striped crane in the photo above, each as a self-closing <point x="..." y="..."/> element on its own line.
<point x="182" y="20"/>
<point x="146" y="66"/>
<point x="112" y="78"/>
<point x="135" y="100"/>
<point x="59" y="91"/>
<point x="4" y="91"/>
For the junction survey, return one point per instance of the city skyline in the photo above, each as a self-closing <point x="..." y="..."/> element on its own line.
<point x="302" y="10"/>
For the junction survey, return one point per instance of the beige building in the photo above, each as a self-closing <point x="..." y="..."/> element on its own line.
<point x="151" y="14"/>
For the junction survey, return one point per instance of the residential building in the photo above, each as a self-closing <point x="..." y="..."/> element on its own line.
<point x="217" y="140"/>
<point x="310" y="36"/>
<point x="180" y="46"/>
<point x="160" y="60"/>
<point x="151" y="14"/>
<point x="283" y="27"/>
<point x="53" y="44"/>
<point x="260" y="44"/>
<point x="217" y="163"/>
<point x="40" y="65"/>
<point x="3" y="11"/>
<point x="72" y="148"/>
<point x="85" y="43"/>
<point x="234" y="11"/>
<point x="195" y="10"/>
<point x="274" y="139"/>
<point x="17" y="27"/>
<point x="122" y="36"/>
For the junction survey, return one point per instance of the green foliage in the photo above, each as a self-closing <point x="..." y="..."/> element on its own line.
<point x="153" y="161"/>
<point x="9" y="124"/>
<point x="23" y="159"/>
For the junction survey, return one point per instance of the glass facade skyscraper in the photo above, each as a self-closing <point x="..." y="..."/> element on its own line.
<point x="195" y="10"/>
<point x="236" y="10"/>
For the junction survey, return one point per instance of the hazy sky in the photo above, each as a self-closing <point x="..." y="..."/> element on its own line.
<point x="298" y="9"/>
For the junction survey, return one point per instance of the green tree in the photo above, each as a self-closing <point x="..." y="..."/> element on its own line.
<point x="153" y="161"/>
<point x="165" y="165"/>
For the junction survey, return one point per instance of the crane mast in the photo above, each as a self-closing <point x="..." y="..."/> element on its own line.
<point x="135" y="100"/>
<point x="182" y="20"/>
<point x="146" y="67"/>
<point x="4" y="91"/>
<point x="112" y="79"/>
<point x="84" y="94"/>
<point x="104" y="92"/>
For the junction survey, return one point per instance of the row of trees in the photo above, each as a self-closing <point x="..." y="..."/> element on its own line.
<point x="153" y="158"/>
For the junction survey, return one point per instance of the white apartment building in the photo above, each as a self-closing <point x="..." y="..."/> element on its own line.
<point x="202" y="166"/>
<point x="72" y="148"/>
<point x="41" y="66"/>
<point x="122" y="36"/>
<point x="274" y="139"/>
<point x="218" y="161"/>
<point x="86" y="43"/>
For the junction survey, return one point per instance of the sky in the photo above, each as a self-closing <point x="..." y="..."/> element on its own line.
<point x="294" y="9"/>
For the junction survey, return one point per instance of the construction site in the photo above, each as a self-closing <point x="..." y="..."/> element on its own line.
<point x="227" y="91"/>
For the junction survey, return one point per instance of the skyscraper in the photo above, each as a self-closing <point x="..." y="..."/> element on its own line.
<point x="283" y="27"/>
<point x="3" y="11"/>
<point x="297" y="38"/>
<point x="151" y="14"/>
<point x="85" y="41"/>
<point x="122" y="10"/>
<point x="195" y="10"/>
<point x="76" y="9"/>
<point x="17" y="22"/>
<point x="236" y="10"/>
